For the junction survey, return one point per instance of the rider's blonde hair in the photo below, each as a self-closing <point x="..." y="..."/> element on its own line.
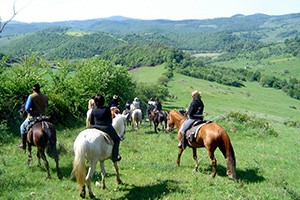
<point x="196" y="94"/>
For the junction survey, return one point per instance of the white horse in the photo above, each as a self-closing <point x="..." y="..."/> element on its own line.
<point x="94" y="145"/>
<point x="136" y="118"/>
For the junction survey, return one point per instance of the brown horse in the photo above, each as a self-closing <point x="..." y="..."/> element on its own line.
<point x="114" y="111"/>
<point x="210" y="136"/>
<point x="43" y="135"/>
<point x="158" y="118"/>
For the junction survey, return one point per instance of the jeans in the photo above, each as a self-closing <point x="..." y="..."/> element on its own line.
<point x="24" y="126"/>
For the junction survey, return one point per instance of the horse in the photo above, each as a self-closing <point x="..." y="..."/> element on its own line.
<point x="150" y="108"/>
<point x="128" y="119"/>
<point x="114" y="111"/>
<point x="159" y="117"/>
<point x="210" y="135"/>
<point x="43" y="135"/>
<point x="94" y="145"/>
<point x="136" y="118"/>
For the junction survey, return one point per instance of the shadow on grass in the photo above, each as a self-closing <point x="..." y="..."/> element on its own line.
<point x="246" y="176"/>
<point x="156" y="191"/>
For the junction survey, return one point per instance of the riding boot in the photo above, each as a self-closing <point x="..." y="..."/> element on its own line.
<point x="115" y="152"/>
<point x="182" y="144"/>
<point x="22" y="145"/>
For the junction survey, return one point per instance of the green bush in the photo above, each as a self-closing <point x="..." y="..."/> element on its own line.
<point x="251" y="122"/>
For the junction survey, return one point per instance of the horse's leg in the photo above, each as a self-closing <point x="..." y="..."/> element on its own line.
<point x="119" y="181"/>
<point x="89" y="178"/>
<point x="195" y="159"/>
<point x="39" y="158"/>
<point x="29" y="160"/>
<point x="43" y="156"/>
<point x="180" y="151"/>
<point x="213" y="162"/>
<point x="103" y="174"/>
<point x="82" y="193"/>
<point x="56" y="158"/>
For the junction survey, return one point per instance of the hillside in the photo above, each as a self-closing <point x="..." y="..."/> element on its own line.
<point x="210" y="35"/>
<point x="266" y="103"/>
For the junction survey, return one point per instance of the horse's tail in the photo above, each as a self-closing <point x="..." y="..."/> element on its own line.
<point x="50" y="133"/>
<point x="79" y="169"/>
<point x="228" y="152"/>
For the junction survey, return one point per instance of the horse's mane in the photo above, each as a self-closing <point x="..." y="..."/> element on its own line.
<point x="177" y="114"/>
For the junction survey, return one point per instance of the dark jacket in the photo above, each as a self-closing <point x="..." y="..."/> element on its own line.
<point x="102" y="120"/>
<point x="158" y="106"/>
<point x="196" y="109"/>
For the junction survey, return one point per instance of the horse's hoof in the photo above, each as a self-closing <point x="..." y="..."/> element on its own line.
<point x="120" y="182"/>
<point x="82" y="195"/>
<point x="92" y="195"/>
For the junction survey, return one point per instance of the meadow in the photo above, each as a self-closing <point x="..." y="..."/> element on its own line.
<point x="267" y="165"/>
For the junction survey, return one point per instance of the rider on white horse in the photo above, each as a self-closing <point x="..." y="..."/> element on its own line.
<point x="136" y="104"/>
<point x="101" y="119"/>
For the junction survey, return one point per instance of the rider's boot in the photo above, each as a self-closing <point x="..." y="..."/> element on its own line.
<point x="182" y="144"/>
<point x="22" y="145"/>
<point x="115" y="152"/>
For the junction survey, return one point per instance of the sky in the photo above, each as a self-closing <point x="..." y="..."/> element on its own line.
<point x="64" y="10"/>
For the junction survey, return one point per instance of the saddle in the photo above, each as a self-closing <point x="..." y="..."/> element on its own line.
<point x="191" y="133"/>
<point x="45" y="126"/>
<point x="107" y="138"/>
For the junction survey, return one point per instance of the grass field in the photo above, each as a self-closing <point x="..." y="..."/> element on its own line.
<point x="267" y="166"/>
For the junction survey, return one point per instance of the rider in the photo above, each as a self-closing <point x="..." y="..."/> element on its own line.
<point x="158" y="106"/>
<point x="36" y="105"/>
<point x="126" y="107"/>
<point x="195" y="112"/>
<point x="115" y="102"/>
<point x="102" y="120"/>
<point x="91" y="103"/>
<point x="136" y="104"/>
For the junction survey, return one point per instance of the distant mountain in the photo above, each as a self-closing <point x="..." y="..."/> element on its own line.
<point x="85" y="38"/>
<point x="122" y="25"/>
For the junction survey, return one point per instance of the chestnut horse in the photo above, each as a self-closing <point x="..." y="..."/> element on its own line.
<point x="43" y="135"/>
<point x="210" y="136"/>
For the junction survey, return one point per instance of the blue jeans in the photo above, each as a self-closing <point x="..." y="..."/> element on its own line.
<point x="24" y="126"/>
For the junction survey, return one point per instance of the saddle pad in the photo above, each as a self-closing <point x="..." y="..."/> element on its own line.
<point x="195" y="129"/>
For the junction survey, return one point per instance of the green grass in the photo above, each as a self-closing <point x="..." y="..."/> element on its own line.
<point x="148" y="74"/>
<point x="267" y="166"/>
<point x="282" y="67"/>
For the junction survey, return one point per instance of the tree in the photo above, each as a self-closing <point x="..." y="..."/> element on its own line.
<point x="3" y="24"/>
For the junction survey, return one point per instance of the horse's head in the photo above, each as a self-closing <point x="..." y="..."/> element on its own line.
<point x="170" y="122"/>
<point x="119" y="123"/>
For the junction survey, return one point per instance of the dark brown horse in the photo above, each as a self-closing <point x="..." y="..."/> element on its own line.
<point x="210" y="136"/>
<point x="43" y="135"/>
<point x="158" y="118"/>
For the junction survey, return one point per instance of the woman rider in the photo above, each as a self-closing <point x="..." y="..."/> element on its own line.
<point x="102" y="120"/>
<point x="195" y="112"/>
